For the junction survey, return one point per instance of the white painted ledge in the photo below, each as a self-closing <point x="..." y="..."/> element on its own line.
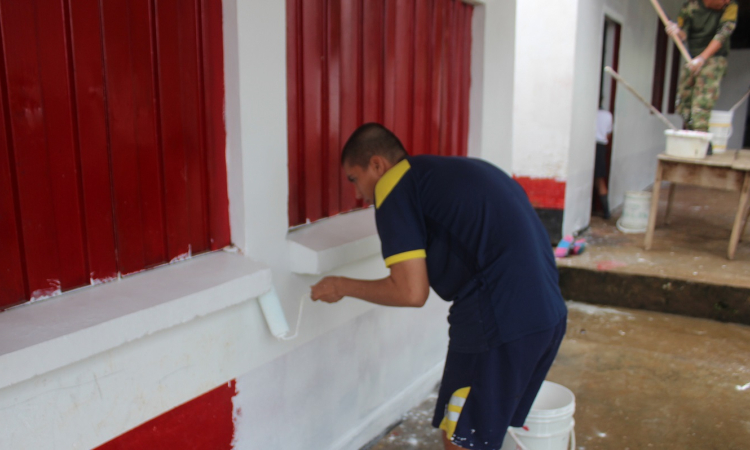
<point x="40" y="337"/>
<point x="322" y="246"/>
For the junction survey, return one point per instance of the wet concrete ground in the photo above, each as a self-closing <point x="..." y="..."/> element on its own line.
<point x="645" y="379"/>
<point x="686" y="271"/>
<point x="642" y="380"/>
<point x="693" y="246"/>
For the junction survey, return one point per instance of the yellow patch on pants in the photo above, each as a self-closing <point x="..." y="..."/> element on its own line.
<point x="453" y="411"/>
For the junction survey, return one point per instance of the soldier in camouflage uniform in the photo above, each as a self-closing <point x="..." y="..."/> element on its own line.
<point x="706" y="26"/>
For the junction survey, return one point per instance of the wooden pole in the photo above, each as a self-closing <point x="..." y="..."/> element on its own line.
<point x="617" y="77"/>
<point x="737" y="105"/>
<point x="665" y="21"/>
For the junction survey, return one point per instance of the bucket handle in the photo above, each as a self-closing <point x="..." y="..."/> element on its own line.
<point x="572" y="440"/>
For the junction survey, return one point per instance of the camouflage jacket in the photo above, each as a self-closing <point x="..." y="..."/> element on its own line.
<point x="702" y="25"/>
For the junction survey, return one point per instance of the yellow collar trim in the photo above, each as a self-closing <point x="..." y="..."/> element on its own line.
<point x="389" y="180"/>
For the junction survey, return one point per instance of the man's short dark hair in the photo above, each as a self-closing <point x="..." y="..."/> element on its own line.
<point x="369" y="140"/>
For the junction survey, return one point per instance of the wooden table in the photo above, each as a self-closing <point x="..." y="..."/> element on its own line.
<point x="729" y="171"/>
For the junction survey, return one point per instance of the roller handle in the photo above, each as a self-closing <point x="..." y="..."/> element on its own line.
<point x="665" y="21"/>
<point x="737" y="105"/>
<point x="617" y="77"/>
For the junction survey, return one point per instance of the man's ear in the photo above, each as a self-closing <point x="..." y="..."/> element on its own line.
<point x="379" y="164"/>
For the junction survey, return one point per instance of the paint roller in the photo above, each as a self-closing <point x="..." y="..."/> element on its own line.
<point x="270" y="305"/>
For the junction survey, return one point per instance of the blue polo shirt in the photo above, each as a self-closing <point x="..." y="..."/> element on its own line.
<point x="486" y="249"/>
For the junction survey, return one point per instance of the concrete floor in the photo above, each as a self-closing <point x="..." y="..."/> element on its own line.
<point x="642" y="380"/>
<point x="645" y="379"/>
<point x="692" y="247"/>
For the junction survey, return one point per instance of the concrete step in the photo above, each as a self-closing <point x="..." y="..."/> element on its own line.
<point x="686" y="272"/>
<point x="657" y="293"/>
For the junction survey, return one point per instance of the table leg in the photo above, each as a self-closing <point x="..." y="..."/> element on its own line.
<point x="654" y="207"/>
<point x="738" y="219"/>
<point x="669" y="202"/>
<point x="744" y="224"/>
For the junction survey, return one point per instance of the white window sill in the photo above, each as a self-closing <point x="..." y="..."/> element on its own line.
<point x="40" y="337"/>
<point x="322" y="246"/>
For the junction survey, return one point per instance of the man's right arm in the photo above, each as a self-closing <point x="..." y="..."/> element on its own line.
<point x="407" y="285"/>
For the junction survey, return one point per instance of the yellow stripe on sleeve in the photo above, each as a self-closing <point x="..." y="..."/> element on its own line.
<point x="400" y="257"/>
<point x="730" y="14"/>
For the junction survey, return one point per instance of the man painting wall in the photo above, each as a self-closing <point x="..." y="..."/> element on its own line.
<point x="468" y="230"/>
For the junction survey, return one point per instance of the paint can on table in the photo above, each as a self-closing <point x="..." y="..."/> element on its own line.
<point x="720" y="126"/>
<point x="687" y="143"/>
<point x="549" y="425"/>
<point x="635" y="212"/>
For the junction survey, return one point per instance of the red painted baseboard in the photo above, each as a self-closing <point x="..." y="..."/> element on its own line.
<point x="543" y="192"/>
<point x="204" y="423"/>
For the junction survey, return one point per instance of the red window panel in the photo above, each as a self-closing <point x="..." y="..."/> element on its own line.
<point x="111" y="140"/>
<point x="136" y="172"/>
<point x="402" y="63"/>
<point x="91" y="130"/>
<point x="212" y="55"/>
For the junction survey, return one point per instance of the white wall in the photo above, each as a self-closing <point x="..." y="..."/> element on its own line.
<point x="543" y="82"/>
<point x="350" y="358"/>
<point x="353" y="370"/>
<point x="638" y="136"/>
<point x="345" y="387"/>
<point x="735" y="84"/>
<point x="491" y="132"/>
<point x="588" y="52"/>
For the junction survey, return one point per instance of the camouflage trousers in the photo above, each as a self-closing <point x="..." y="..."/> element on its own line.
<point x="698" y="93"/>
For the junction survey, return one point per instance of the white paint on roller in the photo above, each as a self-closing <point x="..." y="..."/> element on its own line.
<point x="274" y="315"/>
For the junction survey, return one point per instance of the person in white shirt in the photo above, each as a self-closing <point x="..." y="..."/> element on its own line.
<point x="603" y="135"/>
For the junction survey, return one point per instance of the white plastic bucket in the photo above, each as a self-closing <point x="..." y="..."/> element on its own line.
<point x="720" y="126"/>
<point x="687" y="143"/>
<point x="549" y="425"/>
<point x="635" y="212"/>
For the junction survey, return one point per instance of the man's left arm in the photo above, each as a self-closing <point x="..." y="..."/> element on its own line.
<point x="407" y="285"/>
<point x="726" y="28"/>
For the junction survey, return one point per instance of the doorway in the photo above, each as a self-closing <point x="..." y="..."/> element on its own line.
<point x="607" y="93"/>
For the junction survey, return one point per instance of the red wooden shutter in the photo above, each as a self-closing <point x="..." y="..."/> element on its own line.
<point x="112" y="140"/>
<point x="402" y="63"/>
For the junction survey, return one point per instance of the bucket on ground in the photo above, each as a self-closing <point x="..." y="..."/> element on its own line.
<point x="635" y="212"/>
<point x="687" y="143"/>
<point x="720" y="126"/>
<point x="549" y="425"/>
